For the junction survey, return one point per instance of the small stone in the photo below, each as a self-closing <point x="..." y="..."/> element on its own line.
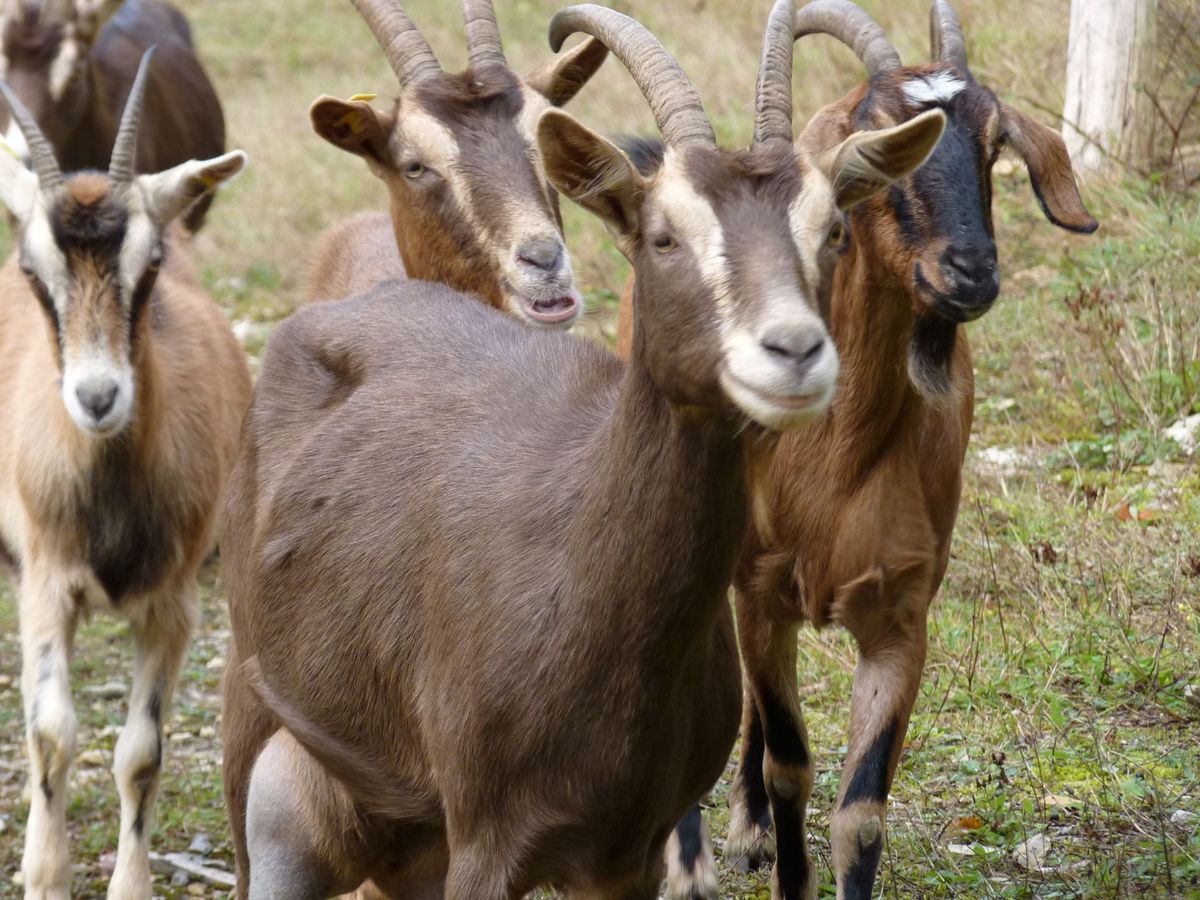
<point x="180" y="737"/>
<point x="96" y="759"/>
<point x="5" y="681"/>
<point x="1191" y="693"/>
<point x="110" y="690"/>
<point x="196" y="889"/>
<point x="180" y="879"/>
<point x="1179" y="817"/>
<point x="200" y="844"/>
<point x="217" y="662"/>
<point x="207" y="731"/>
<point x="18" y="878"/>
<point x="1031" y="854"/>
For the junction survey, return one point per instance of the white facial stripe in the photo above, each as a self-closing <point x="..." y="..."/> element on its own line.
<point x="940" y="87"/>
<point x="809" y="217"/>
<point x="44" y="255"/>
<point x="63" y="67"/>
<point x="695" y="223"/>
<point x="141" y="243"/>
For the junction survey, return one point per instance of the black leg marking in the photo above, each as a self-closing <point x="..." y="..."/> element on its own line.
<point x="860" y="880"/>
<point x="785" y="742"/>
<point x="691" y="845"/>
<point x="49" y="794"/>
<point x="791" y="863"/>
<point x="870" y="779"/>
<point x="754" y="788"/>
<point x="144" y="780"/>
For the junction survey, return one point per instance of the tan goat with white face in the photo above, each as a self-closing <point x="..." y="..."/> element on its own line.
<point x="470" y="204"/>
<point x="121" y="393"/>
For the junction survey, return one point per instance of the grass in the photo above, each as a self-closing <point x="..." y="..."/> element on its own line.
<point x="1067" y="634"/>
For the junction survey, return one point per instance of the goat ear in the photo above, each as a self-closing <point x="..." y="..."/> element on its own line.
<point x="353" y="126"/>
<point x="18" y="185"/>
<point x="168" y="194"/>
<point x="91" y="16"/>
<point x="869" y="161"/>
<point x="561" y="78"/>
<point x="1050" y="172"/>
<point x="591" y="171"/>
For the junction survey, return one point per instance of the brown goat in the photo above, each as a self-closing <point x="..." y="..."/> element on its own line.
<point x="860" y="508"/>
<point x="470" y="206"/>
<point x="479" y="574"/>
<point x="121" y="394"/>
<point x="71" y="62"/>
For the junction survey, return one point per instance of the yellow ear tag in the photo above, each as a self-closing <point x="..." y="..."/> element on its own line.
<point x="4" y="145"/>
<point x="209" y="181"/>
<point x="363" y="98"/>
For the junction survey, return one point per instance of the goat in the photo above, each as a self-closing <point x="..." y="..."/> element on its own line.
<point x="502" y="557"/>
<point x="121" y="395"/>
<point x="860" y="508"/>
<point x="470" y="207"/>
<point x="71" y="62"/>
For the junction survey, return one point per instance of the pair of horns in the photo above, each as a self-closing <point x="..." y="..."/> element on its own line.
<point x="851" y="25"/>
<point x="677" y="109"/>
<point x="124" y="153"/>
<point x="407" y="51"/>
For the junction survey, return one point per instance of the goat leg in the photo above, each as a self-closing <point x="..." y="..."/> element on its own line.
<point x="769" y="654"/>
<point x="751" y="842"/>
<point x="691" y="868"/>
<point x="48" y="615"/>
<point x="886" y="682"/>
<point x="160" y="643"/>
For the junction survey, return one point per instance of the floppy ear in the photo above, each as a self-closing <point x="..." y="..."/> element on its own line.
<point x="1050" y="172"/>
<point x="18" y="185"/>
<point x="561" y="78"/>
<point x="168" y="194"/>
<point x="869" y="161"/>
<point x="591" y="171"/>
<point x="353" y="126"/>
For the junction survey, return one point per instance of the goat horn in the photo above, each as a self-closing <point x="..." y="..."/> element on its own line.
<point x="124" y="153"/>
<point x="946" y="36"/>
<point x="407" y="52"/>
<point x="676" y="105"/>
<point x="851" y="25"/>
<point x="483" y="35"/>
<point x="773" y="94"/>
<point x="42" y="154"/>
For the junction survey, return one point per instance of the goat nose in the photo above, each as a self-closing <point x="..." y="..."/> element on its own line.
<point x="97" y="396"/>
<point x="544" y="253"/>
<point x="797" y="349"/>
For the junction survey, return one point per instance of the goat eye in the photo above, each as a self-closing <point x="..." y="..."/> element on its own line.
<point x="837" y="233"/>
<point x="414" y="170"/>
<point x="664" y="243"/>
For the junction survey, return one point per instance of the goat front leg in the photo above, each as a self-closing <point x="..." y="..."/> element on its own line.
<point x="751" y="843"/>
<point x="769" y="655"/>
<point x="892" y="644"/>
<point x="691" y="868"/>
<point x="49" y="614"/>
<point x="160" y="641"/>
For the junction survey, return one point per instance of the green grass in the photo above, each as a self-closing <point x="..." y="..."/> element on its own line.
<point x="1068" y="628"/>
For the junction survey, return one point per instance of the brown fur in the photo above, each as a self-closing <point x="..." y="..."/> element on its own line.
<point x="431" y="236"/>
<point x="120" y="523"/>
<point x="859" y="510"/>
<point x="82" y="125"/>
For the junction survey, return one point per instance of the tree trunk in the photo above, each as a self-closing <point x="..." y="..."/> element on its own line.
<point x="1110" y="63"/>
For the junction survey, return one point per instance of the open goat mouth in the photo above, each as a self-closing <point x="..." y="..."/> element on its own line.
<point x="554" y="310"/>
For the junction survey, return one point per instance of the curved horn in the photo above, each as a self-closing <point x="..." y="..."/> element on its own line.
<point x="407" y="52"/>
<point x="124" y="152"/>
<point x="773" y="93"/>
<point x="40" y="152"/>
<point x="483" y="35"/>
<point x="853" y="27"/>
<point x="946" y="35"/>
<point x="673" y="100"/>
